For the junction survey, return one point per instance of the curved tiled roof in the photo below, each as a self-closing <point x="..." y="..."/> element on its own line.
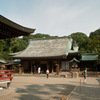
<point x="9" y="29"/>
<point x="89" y="57"/>
<point x="46" y="48"/>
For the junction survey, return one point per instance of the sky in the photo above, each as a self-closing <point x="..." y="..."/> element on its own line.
<point x="54" y="17"/>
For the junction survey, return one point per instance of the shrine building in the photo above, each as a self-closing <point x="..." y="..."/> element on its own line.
<point x="48" y="54"/>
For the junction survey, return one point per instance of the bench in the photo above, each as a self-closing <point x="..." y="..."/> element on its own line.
<point x="6" y="77"/>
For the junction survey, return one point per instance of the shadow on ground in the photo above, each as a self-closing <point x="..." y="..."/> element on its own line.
<point x="87" y="92"/>
<point x="98" y="81"/>
<point x="45" y="92"/>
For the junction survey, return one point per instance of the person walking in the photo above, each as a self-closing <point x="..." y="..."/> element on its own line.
<point x="85" y="75"/>
<point x="47" y="73"/>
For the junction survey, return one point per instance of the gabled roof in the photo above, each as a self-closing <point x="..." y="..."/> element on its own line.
<point x="74" y="59"/>
<point x="47" y="48"/>
<point x="89" y="57"/>
<point x="10" y="29"/>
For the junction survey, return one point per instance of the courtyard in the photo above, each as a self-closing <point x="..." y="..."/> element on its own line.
<point x="41" y="88"/>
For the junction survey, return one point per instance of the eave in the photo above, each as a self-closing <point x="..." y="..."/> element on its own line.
<point x="46" y="57"/>
<point x="10" y="29"/>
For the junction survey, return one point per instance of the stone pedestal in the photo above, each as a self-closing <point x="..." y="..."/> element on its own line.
<point x="75" y="74"/>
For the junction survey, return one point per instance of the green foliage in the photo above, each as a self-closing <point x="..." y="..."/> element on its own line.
<point x="95" y="33"/>
<point x="10" y="46"/>
<point x="81" y="39"/>
<point x="36" y="36"/>
<point x="2" y="45"/>
<point x="17" y="45"/>
<point x="95" y="42"/>
<point x="6" y="56"/>
<point x="94" y="45"/>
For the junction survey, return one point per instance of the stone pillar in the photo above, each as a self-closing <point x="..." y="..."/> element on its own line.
<point x="52" y="69"/>
<point x="75" y="74"/>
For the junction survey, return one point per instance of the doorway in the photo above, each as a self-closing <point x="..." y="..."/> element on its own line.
<point x="43" y="68"/>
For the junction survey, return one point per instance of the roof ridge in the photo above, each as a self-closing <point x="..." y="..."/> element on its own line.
<point x="48" y="38"/>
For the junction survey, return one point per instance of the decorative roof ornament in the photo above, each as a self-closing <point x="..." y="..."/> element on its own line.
<point x="75" y="46"/>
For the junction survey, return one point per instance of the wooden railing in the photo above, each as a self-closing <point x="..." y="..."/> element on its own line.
<point x="6" y="77"/>
<point x="6" y="74"/>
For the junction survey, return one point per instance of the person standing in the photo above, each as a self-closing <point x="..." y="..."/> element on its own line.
<point x="39" y="70"/>
<point x="34" y="69"/>
<point x="85" y="74"/>
<point x="47" y="73"/>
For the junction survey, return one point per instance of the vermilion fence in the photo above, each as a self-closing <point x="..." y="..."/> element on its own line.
<point x="6" y="74"/>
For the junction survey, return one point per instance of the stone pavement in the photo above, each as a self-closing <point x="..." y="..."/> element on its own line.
<point x="88" y="91"/>
<point x="41" y="88"/>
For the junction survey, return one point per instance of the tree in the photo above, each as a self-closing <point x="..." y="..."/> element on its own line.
<point x="95" y="33"/>
<point x="36" y="36"/>
<point x="2" y="45"/>
<point x="17" y="44"/>
<point x="81" y="39"/>
<point x="10" y="46"/>
<point x="95" y="44"/>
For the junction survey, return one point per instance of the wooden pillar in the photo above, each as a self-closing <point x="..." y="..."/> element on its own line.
<point x="52" y="68"/>
<point x="47" y="66"/>
<point x="57" y="68"/>
<point x="31" y="68"/>
<point x="20" y="71"/>
<point x="22" y="67"/>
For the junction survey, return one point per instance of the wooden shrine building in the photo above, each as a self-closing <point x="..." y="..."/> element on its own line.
<point x="10" y="29"/>
<point x="49" y="54"/>
<point x="89" y="61"/>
